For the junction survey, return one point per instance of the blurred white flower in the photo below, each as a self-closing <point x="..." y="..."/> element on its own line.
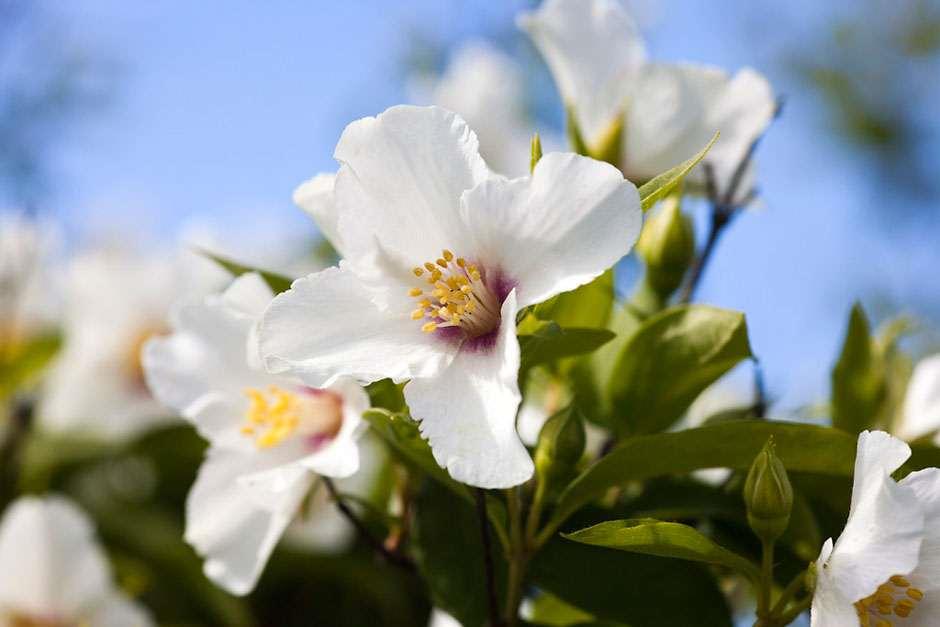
<point x="115" y="299"/>
<point x="29" y="297"/>
<point x="52" y="572"/>
<point x="920" y="414"/>
<point x="886" y="563"/>
<point x="668" y="111"/>
<point x="487" y="89"/>
<point x="440" y="618"/>
<point x="267" y="434"/>
<point x="412" y="188"/>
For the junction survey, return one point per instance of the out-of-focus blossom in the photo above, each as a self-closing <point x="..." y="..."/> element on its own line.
<point x="885" y="563"/>
<point x="114" y="300"/>
<point x="29" y="298"/>
<point x="269" y="436"/>
<point x="440" y="618"/>
<point x="487" y="89"/>
<point x="52" y="572"/>
<point x="433" y="276"/>
<point x="921" y="411"/>
<point x="661" y="113"/>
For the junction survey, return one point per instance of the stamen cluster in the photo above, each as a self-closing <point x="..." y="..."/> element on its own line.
<point x="896" y="597"/>
<point x="457" y="296"/>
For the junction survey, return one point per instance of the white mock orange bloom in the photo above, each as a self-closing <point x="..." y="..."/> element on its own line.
<point x="53" y="573"/>
<point x="439" y="256"/>
<point x="269" y="436"/>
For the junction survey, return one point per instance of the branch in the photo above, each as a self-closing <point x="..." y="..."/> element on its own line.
<point x="394" y="558"/>
<point x="492" y="603"/>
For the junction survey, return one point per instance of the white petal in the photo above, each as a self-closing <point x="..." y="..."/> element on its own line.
<point x="883" y="534"/>
<point x="440" y="618"/>
<point x="574" y="218"/>
<point x="49" y="562"/>
<point x="327" y="326"/>
<point x="315" y="196"/>
<point x="119" y="611"/>
<point x="340" y="458"/>
<point x="401" y="179"/>
<point x="468" y="412"/>
<point x="231" y="525"/>
<point x="922" y="402"/>
<point x="206" y="353"/>
<point x="679" y="107"/>
<point x="926" y="485"/>
<point x="594" y="51"/>
<point x="877" y="454"/>
<point x="829" y="608"/>
<point x="248" y="294"/>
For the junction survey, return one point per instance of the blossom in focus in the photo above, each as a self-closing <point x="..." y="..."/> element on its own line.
<point x="439" y="256"/>
<point x="115" y="299"/>
<point x="664" y="112"/>
<point x="921" y="410"/>
<point x="269" y="436"/>
<point x="886" y="564"/>
<point x="54" y="574"/>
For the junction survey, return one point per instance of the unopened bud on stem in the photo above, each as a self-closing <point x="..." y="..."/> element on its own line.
<point x="667" y="247"/>
<point x="768" y="495"/>
<point x="559" y="449"/>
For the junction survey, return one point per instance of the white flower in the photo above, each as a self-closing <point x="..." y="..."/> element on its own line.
<point x="267" y="434"/>
<point x="921" y="411"/>
<point x="28" y="295"/>
<point x="668" y="111"/>
<point x="53" y="574"/>
<point x="440" y="618"/>
<point x="486" y="88"/>
<point x="884" y="570"/>
<point x="440" y="255"/>
<point x="115" y="299"/>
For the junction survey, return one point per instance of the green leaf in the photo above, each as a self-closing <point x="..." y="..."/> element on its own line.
<point x="278" y="283"/>
<point x="858" y="379"/>
<point x="546" y="342"/>
<point x="802" y="447"/>
<point x="448" y="550"/>
<point x="670" y="360"/>
<point x="591" y="375"/>
<point x="550" y="611"/>
<point x="587" y="306"/>
<point x="22" y="364"/>
<point x="659" y="186"/>
<point x="663" y="539"/>
<point x="630" y="588"/>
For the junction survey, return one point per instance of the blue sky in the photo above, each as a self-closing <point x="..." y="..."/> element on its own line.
<point x="222" y="110"/>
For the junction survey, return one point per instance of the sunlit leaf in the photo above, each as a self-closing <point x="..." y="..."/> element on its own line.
<point x="659" y="186"/>
<point x="663" y="539"/>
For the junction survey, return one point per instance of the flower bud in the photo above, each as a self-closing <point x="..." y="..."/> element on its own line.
<point x="559" y="448"/>
<point x="768" y="495"/>
<point x="667" y="247"/>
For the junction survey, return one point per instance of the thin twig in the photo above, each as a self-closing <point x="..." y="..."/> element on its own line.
<point x="760" y="390"/>
<point x="492" y="603"/>
<point x="723" y="209"/>
<point x="394" y="558"/>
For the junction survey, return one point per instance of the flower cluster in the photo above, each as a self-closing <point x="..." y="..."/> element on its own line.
<point x="458" y="395"/>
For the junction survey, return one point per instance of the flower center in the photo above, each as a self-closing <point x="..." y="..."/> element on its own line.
<point x="277" y="414"/>
<point x="133" y="356"/>
<point x="457" y="295"/>
<point x="894" y="599"/>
